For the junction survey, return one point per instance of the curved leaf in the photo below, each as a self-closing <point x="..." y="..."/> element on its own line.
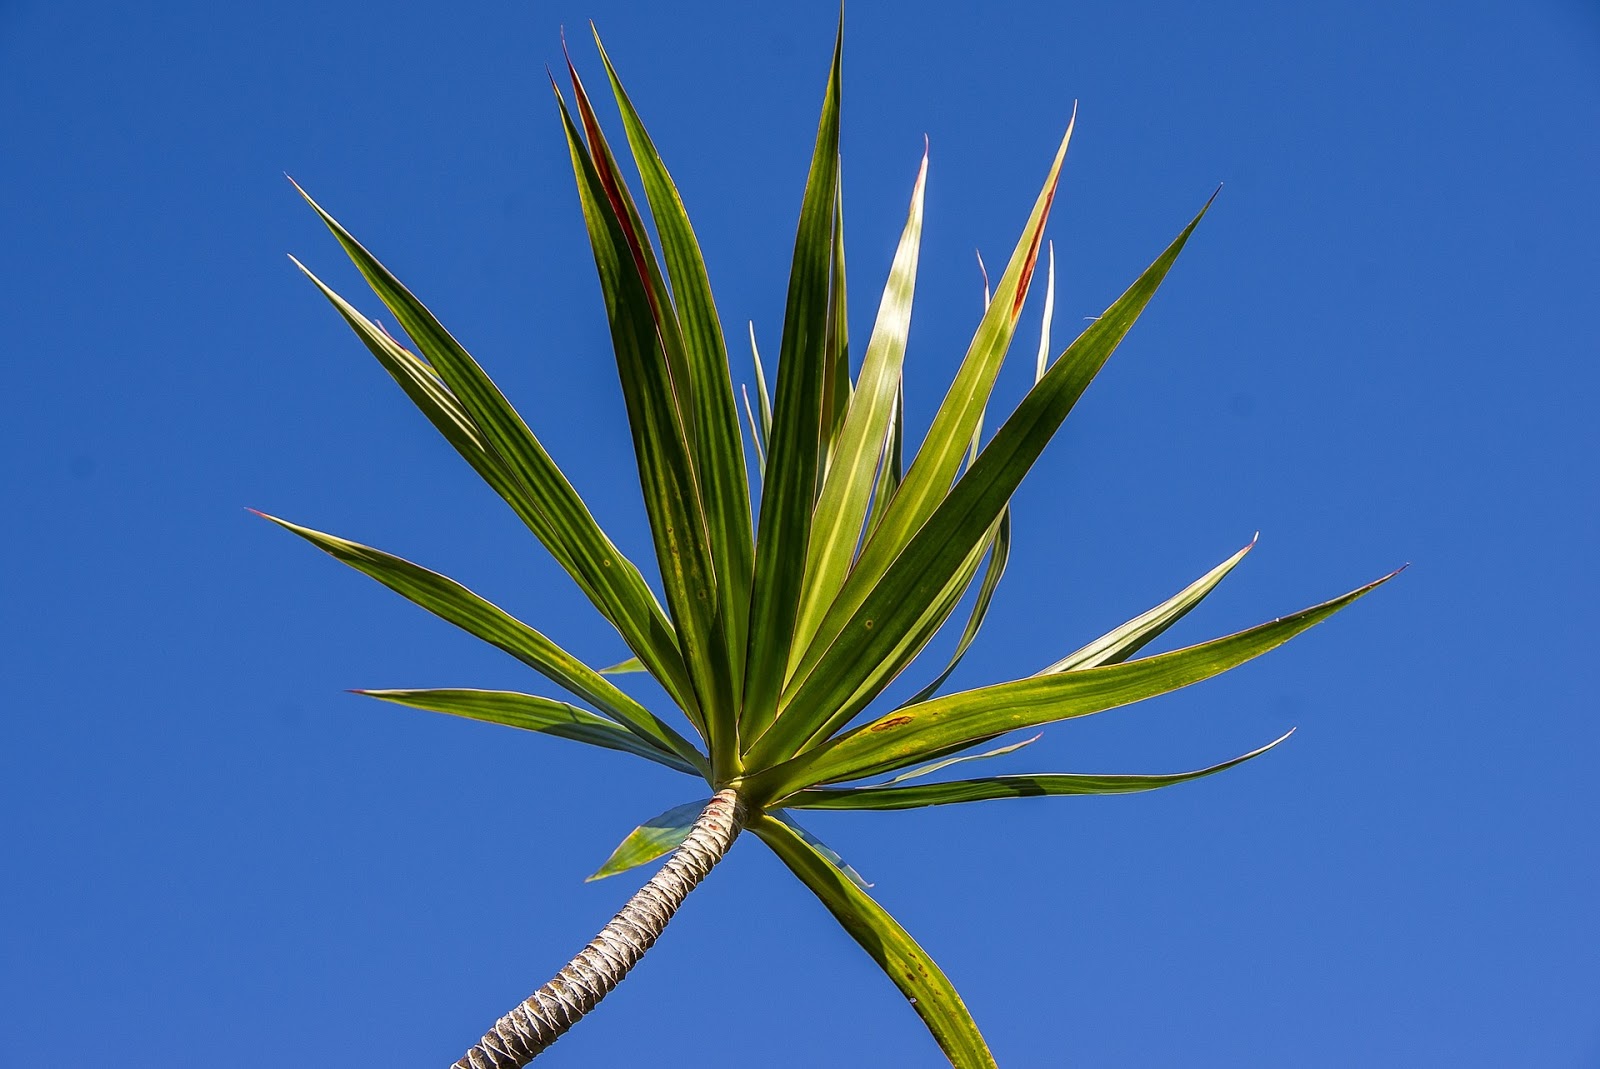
<point x="918" y="795"/>
<point x="927" y="989"/>
<point x="451" y="601"/>
<point x="532" y="713"/>
<point x="1117" y="646"/>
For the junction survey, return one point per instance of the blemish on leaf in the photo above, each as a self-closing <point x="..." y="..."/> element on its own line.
<point x="892" y="722"/>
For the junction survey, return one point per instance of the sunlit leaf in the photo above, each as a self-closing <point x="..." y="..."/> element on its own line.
<point x="1116" y="646"/>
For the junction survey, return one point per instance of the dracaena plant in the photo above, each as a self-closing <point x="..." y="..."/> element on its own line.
<point x="784" y="622"/>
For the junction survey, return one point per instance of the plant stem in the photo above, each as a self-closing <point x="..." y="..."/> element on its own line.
<point x="519" y="1036"/>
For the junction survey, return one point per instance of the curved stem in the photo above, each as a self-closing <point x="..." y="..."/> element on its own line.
<point x="519" y="1036"/>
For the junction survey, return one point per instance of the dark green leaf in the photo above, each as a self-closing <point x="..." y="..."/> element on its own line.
<point x="531" y="482"/>
<point x="661" y="447"/>
<point x="719" y="459"/>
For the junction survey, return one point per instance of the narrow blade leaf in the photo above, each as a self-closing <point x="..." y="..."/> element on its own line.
<point x="661" y="447"/>
<point x="927" y="989"/>
<point x="940" y="766"/>
<point x="938" y="461"/>
<point x="916" y="796"/>
<point x="532" y="483"/>
<point x="794" y="448"/>
<point x="1118" y="645"/>
<point x="719" y="458"/>
<point x="859" y="451"/>
<point x="451" y="601"/>
<point x="532" y="713"/>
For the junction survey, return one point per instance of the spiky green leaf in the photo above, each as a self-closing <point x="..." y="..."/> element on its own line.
<point x="923" y="569"/>
<point x="938" y="461"/>
<point x="661" y="447"/>
<point x="859" y="450"/>
<point x="531" y="482"/>
<point x="451" y="601"/>
<point x="531" y="713"/>
<point x="719" y="459"/>
<point x="1118" y="645"/>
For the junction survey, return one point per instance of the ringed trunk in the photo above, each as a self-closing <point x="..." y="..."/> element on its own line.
<point x="519" y="1036"/>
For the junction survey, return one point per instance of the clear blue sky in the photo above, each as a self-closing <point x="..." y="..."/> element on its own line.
<point x="1379" y="348"/>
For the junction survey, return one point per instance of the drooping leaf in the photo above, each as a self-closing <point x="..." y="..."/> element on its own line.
<point x="656" y="836"/>
<point x="661" y="447"/>
<point x="857" y="454"/>
<point x="1116" y="646"/>
<point x="719" y="459"/>
<point x="824" y="849"/>
<point x="927" y="989"/>
<point x="924" y="567"/>
<point x="794" y="445"/>
<point x="916" y="796"/>
<point x="532" y="483"/>
<point x="622" y="668"/>
<point x="451" y="601"/>
<point x="919" y="730"/>
<point x="532" y="713"/>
